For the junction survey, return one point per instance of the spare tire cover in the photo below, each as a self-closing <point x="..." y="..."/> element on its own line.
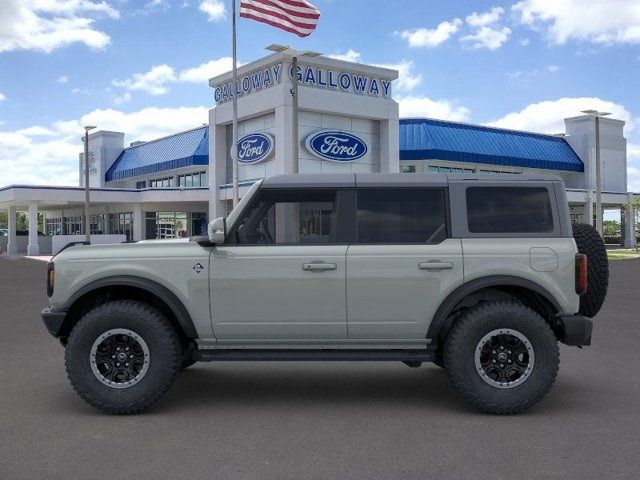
<point x="591" y="244"/>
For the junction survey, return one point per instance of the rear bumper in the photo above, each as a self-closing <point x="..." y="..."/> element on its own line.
<point x="53" y="319"/>
<point x="575" y="330"/>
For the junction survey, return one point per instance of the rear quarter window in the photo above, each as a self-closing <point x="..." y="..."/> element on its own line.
<point x="509" y="210"/>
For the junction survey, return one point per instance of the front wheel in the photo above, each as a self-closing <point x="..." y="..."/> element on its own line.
<point x="122" y="356"/>
<point x="502" y="357"/>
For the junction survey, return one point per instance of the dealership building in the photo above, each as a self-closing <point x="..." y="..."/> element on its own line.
<point x="347" y="121"/>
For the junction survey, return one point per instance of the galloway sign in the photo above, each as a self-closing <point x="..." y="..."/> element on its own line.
<point x="255" y="148"/>
<point x="336" y="146"/>
<point x="311" y="76"/>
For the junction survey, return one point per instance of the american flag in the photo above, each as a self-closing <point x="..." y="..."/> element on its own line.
<point x="295" y="16"/>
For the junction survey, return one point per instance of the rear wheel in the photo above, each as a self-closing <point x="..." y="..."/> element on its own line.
<point x="502" y="357"/>
<point x="122" y="356"/>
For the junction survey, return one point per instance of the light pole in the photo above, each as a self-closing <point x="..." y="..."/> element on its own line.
<point x="87" y="217"/>
<point x="294" y="54"/>
<point x="596" y="114"/>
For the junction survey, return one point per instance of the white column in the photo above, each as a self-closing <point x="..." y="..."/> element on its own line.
<point x="390" y="141"/>
<point x="629" y="224"/>
<point x="12" y="246"/>
<point x="33" y="248"/>
<point x="588" y="210"/>
<point x="138" y="222"/>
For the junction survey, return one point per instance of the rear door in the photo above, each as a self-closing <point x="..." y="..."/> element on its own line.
<point x="282" y="273"/>
<point x="402" y="263"/>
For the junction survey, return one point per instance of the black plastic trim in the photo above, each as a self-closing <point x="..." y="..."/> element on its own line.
<point x="54" y="320"/>
<point x="446" y="307"/>
<point x="315" y="355"/>
<point x="168" y="297"/>
<point x="575" y="330"/>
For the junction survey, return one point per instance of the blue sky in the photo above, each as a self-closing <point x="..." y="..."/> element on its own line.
<point x="142" y="66"/>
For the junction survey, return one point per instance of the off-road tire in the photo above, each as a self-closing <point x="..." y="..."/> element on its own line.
<point x="463" y="340"/>
<point x="165" y="356"/>
<point x="591" y="244"/>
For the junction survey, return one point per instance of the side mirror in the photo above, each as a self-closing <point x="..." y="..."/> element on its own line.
<point x="218" y="230"/>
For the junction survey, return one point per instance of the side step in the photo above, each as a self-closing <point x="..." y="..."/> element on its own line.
<point x="315" y="355"/>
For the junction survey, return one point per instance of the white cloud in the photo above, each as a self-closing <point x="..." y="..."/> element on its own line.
<point x="154" y="81"/>
<point x="214" y="9"/>
<point x="63" y="79"/>
<point x="548" y="116"/>
<point x="407" y="78"/>
<point x="415" y="106"/>
<point x="526" y="75"/>
<point x="122" y="99"/>
<point x="45" y="25"/>
<point x="203" y="72"/>
<point x="484" y="19"/>
<point x="49" y="155"/>
<point x="2" y="96"/>
<point x="423" y="37"/>
<point x="487" y="37"/>
<point x="595" y="21"/>
<point x="349" y="56"/>
<point x="525" y="42"/>
<point x="552" y="68"/>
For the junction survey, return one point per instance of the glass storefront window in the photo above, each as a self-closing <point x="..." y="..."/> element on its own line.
<point x="161" y="225"/>
<point x="122" y="224"/>
<point x="197" y="179"/>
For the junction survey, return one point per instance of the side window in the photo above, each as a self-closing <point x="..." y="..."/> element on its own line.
<point x="509" y="210"/>
<point x="401" y="215"/>
<point x="288" y="217"/>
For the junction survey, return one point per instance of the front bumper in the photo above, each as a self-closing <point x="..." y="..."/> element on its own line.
<point x="54" y="319"/>
<point x="575" y="330"/>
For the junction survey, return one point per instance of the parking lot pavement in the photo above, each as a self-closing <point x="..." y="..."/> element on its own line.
<point x="318" y="420"/>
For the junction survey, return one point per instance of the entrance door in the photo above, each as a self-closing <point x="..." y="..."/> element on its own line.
<point x="281" y="275"/>
<point x="402" y="263"/>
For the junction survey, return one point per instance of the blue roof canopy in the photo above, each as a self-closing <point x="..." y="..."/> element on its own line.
<point x="183" y="149"/>
<point x="426" y="139"/>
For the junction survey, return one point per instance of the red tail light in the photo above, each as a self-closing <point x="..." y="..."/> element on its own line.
<point x="581" y="273"/>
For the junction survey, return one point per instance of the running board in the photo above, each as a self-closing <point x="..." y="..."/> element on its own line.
<point x="315" y="355"/>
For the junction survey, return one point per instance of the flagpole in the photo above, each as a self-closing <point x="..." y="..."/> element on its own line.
<point x="234" y="149"/>
<point x="294" y="126"/>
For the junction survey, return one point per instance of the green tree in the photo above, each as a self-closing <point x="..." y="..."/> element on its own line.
<point x="610" y="227"/>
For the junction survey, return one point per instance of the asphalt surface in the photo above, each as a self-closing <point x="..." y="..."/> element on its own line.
<point x="318" y="420"/>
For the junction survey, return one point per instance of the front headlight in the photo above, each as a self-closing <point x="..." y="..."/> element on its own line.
<point x="51" y="278"/>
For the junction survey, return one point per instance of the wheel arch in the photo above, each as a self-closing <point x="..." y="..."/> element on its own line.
<point x="520" y="288"/>
<point x="128" y="287"/>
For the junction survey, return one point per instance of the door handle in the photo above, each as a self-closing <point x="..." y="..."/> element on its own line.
<point x="319" y="267"/>
<point x="435" y="265"/>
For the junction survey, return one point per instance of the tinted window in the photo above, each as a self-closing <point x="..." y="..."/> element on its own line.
<point x="401" y="216"/>
<point x="288" y="217"/>
<point x="509" y="210"/>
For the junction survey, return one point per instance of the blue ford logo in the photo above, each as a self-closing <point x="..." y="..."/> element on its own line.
<point x="255" y="147"/>
<point x="336" y="146"/>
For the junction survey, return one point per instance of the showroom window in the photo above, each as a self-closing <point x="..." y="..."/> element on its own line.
<point x="162" y="182"/>
<point x="197" y="179"/>
<point x="288" y="217"/>
<point x="509" y="210"/>
<point x="122" y="224"/>
<point x="160" y="225"/>
<point x="437" y="169"/>
<point x="142" y="184"/>
<point x="401" y="215"/>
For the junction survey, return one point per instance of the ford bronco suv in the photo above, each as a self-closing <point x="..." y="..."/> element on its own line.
<point x="482" y="275"/>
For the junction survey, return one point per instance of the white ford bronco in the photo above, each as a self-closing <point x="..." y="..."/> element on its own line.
<point x="482" y="275"/>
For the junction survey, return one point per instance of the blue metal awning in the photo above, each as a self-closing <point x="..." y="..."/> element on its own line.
<point x="428" y="139"/>
<point x="183" y="149"/>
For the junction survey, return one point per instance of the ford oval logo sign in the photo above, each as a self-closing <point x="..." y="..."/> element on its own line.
<point x="255" y="148"/>
<point x="336" y="146"/>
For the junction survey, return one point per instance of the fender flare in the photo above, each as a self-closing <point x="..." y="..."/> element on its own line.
<point x="446" y="307"/>
<point x="160" y="291"/>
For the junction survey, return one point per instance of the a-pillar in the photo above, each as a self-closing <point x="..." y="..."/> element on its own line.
<point x="33" y="248"/>
<point x="12" y="246"/>
<point x="629" y="224"/>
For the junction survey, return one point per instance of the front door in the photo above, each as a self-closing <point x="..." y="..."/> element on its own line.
<point x="402" y="263"/>
<point x="281" y="274"/>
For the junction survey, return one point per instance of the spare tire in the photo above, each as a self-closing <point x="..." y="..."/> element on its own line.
<point x="591" y="244"/>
